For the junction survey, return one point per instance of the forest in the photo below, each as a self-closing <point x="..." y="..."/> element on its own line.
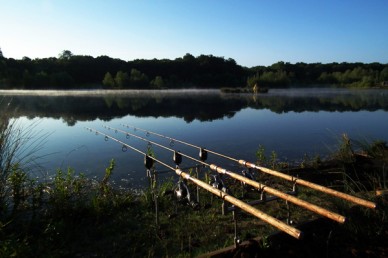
<point x="70" y="71"/>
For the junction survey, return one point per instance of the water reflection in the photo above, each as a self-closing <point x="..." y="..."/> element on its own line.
<point x="191" y="105"/>
<point x="291" y="122"/>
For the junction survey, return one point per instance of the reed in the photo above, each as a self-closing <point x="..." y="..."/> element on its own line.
<point x="19" y="145"/>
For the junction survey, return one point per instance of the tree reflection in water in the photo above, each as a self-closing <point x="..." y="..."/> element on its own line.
<point x="191" y="106"/>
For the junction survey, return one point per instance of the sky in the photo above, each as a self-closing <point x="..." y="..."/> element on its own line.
<point x="252" y="32"/>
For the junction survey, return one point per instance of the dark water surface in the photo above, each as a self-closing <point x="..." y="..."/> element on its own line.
<point x="291" y="122"/>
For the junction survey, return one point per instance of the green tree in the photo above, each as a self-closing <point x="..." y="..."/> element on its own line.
<point x="326" y="78"/>
<point x="138" y="79"/>
<point x="1" y="54"/>
<point x="280" y="66"/>
<point x="108" y="80"/>
<point x="384" y="74"/>
<point x="122" y="79"/>
<point x="157" y="82"/>
<point x="189" y="58"/>
<point x="65" y="55"/>
<point x="278" y="78"/>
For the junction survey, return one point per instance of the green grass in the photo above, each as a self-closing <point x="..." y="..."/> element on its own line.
<point x="75" y="216"/>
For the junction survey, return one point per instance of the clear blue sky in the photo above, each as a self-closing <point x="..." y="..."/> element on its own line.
<point x="253" y="32"/>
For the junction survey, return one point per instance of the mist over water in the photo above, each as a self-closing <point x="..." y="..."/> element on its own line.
<point x="102" y="93"/>
<point x="291" y="122"/>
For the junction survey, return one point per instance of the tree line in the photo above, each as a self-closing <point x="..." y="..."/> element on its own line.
<point x="339" y="74"/>
<point x="69" y="71"/>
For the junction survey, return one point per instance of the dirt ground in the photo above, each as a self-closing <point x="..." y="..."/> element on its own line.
<point x="361" y="237"/>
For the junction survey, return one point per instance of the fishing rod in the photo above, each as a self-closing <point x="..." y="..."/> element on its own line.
<point x="304" y="204"/>
<point x="247" y="164"/>
<point x="223" y="195"/>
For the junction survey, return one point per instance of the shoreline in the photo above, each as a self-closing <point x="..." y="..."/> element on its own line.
<point x="103" y="92"/>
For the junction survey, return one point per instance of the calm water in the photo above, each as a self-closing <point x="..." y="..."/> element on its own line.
<point x="292" y="122"/>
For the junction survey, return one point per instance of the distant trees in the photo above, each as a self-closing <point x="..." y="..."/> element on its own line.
<point x="1" y="54"/>
<point x="122" y="80"/>
<point x="341" y="74"/>
<point x="271" y="79"/>
<point x="356" y="77"/>
<point x="204" y="71"/>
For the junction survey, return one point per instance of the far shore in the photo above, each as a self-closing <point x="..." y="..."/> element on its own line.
<point x="104" y="92"/>
<point x="168" y="92"/>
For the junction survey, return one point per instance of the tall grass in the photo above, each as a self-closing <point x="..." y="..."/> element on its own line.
<point x="19" y="146"/>
<point x="364" y="164"/>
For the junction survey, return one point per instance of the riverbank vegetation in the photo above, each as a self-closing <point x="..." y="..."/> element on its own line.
<point x="70" y="215"/>
<point x="69" y="71"/>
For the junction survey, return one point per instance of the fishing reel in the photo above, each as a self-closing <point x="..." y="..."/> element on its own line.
<point x="177" y="158"/>
<point x="217" y="182"/>
<point x="182" y="194"/>
<point x="248" y="175"/>
<point x="148" y="162"/>
<point x="202" y="154"/>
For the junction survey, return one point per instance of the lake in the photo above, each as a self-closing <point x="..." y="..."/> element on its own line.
<point x="291" y="122"/>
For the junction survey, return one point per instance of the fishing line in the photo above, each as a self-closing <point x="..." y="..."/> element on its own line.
<point x="180" y="141"/>
<point x="157" y="144"/>
<point x="129" y="146"/>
